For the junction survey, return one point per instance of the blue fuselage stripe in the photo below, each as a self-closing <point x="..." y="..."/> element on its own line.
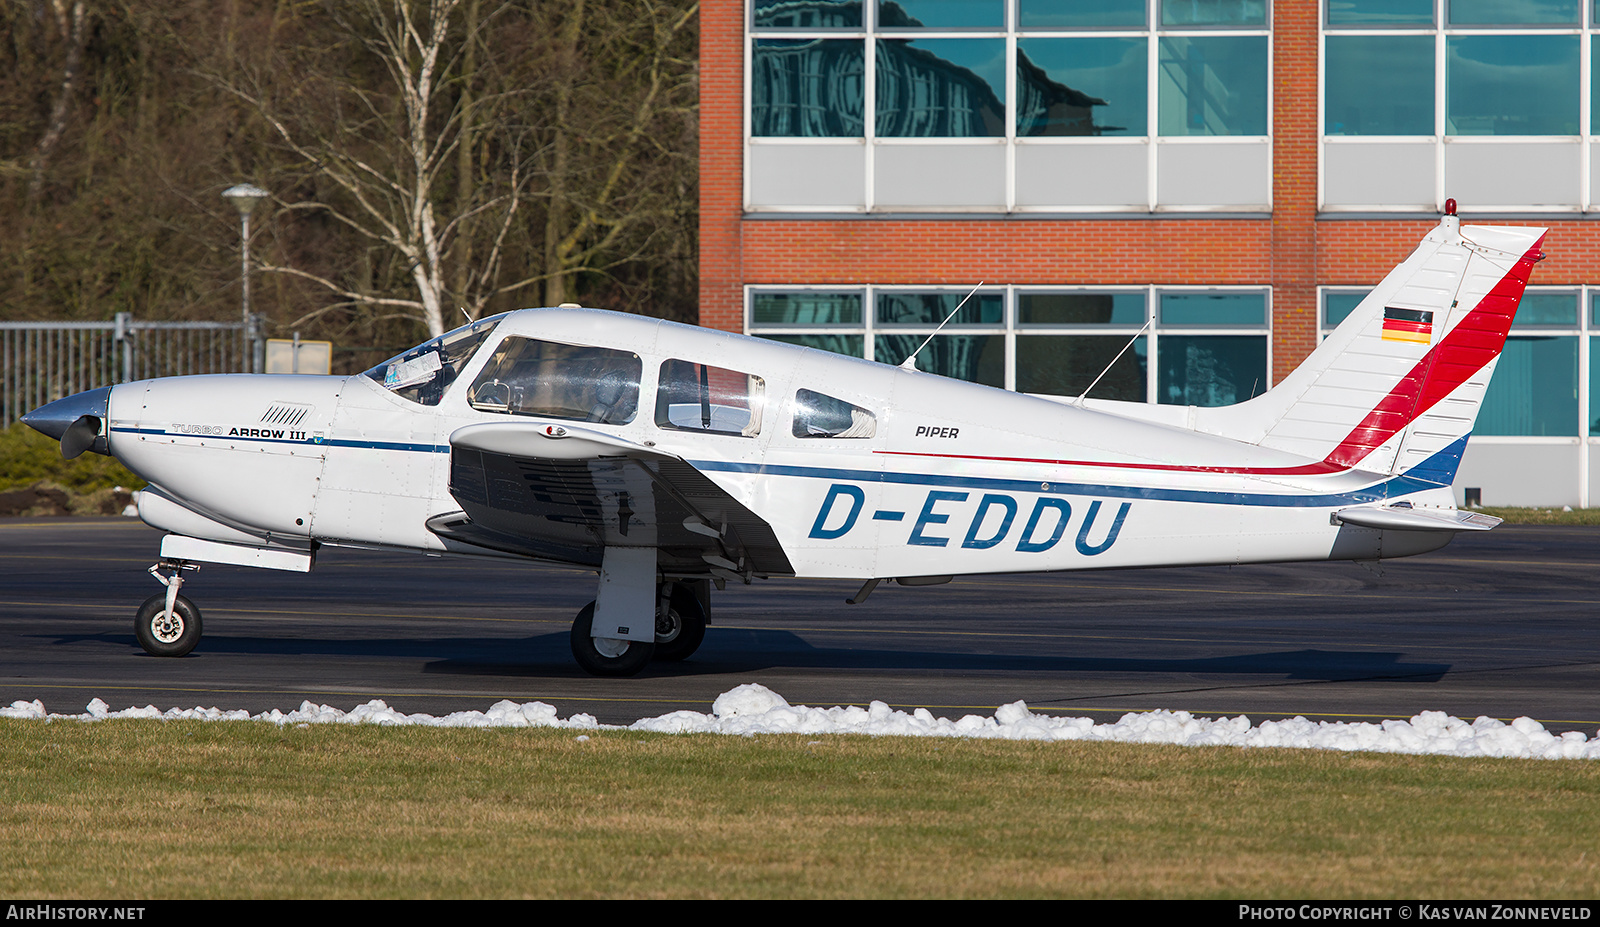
<point x="1374" y="492"/>
<point x="326" y="442"/>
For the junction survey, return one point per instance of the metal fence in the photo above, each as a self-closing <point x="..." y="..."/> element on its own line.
<point x="43" y="361"/>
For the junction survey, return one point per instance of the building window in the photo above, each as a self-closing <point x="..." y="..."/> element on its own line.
<point x="1181" y="345"/>
<point x="1379" y="84"/>
<point x="1534" y="391"/>
<point x="1424" y="102"/>
<point x="1213" y="85"/>
<point x="1009" y="106"/>
<point x="810" y="88"/>
<point x="1511" y="85"/>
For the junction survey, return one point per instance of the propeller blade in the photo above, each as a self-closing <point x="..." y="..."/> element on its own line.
<point x="79" y="436"/>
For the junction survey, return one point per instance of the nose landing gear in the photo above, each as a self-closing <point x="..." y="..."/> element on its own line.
<point x="168" y="624"/>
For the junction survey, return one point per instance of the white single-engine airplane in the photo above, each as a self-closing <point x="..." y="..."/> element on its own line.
<point x="670" y="458"/>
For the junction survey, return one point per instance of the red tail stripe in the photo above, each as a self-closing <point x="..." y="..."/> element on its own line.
<point x="1474" y="342"/>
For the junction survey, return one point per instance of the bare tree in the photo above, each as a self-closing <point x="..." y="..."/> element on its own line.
<point x="466" y="135"/>
<point x="380" y="150"/>
<point x="71" y="28"/>
<point x="621" y="108"/>
<point x="424" y="155"/>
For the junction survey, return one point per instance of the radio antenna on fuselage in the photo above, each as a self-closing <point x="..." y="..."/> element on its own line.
<point x="1079" y="400"/>
<point x="910" y="363"/>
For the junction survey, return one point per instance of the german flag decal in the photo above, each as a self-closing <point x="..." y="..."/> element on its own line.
<point x="1415" y="325"/>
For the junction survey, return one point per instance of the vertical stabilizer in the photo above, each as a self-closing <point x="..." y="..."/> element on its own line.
<point x="1399" y="383"/>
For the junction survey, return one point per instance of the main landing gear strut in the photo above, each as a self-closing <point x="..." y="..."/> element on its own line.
<point x="680" y="626"/>
<point x="168" y="624"/>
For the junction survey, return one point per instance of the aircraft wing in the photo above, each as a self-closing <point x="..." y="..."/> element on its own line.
<point x="564" y="493"/>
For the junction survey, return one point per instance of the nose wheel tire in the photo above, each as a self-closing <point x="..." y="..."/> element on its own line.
<point x="164" y="634"/>
<point x="681" y="629"/>
<point x="604" y="656"/>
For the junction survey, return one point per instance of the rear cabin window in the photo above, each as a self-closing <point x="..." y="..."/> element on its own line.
<point x="567" y="381"/>
<point x="699" y="397"/>
<point x="820" y="416"/>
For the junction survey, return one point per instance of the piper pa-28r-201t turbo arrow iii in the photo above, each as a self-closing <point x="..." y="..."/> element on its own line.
<point x="671" y="458"/>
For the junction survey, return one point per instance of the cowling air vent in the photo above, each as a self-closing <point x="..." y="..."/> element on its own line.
<point x="287" y="414"/>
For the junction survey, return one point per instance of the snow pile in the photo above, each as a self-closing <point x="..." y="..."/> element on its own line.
<point x="754" y="709"/>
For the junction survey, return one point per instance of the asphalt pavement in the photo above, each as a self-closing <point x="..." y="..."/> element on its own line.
<point x="1502" y="624"/>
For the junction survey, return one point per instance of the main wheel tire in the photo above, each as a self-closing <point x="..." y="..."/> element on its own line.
<point x="163" y="635"/>
<point x="606" y="657"/>
<point x="680" y="631"/>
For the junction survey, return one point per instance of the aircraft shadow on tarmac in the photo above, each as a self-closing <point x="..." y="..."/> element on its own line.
<point x="743" y="650"/>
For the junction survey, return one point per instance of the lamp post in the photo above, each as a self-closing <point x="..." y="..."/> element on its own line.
<point x="245" y="196"/>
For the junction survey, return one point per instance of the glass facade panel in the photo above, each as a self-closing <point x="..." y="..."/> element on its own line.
<point x="1213" y="85"/>
<point x="1213" y="12"/>
<point x="1511" y="85"/>
<point x="1336" y="307"/>
<point x="1069" y="13"/>
<point x="1379" y="85"/>
<point x="1534" y="390"/>
<point x="848" y="345"/>
<point x="806" y="14"/>
<point x="1046" y="341"/>
<point x="1594" y="387"/>
<point x="805" y="308"/>
<point x="1080" y="309"/>
<point x="1218" y="309"/>
<point x="1512" y="12"/>
<point x="1547" y="309"/>
<point x="1087" y="86"/>
<point x="1210" y="370"/>
<point x="941" y="14"/>
<point x="941" y="88"/>
<point x="807" y="88"/>
<point x="1380" y="12"/>
<point x="932" y="309"/>
<point x="975" y="358"/>
<point x="1065" y="365"/>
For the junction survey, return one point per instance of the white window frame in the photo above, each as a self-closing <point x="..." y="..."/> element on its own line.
<point x="1009" y="325"/>
<point x="1153" y="141"/>
<point x="1441" y="31"/>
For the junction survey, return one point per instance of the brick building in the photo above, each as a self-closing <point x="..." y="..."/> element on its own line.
<point x="1216" y="181"/>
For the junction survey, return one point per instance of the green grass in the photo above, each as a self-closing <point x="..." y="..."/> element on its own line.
<point x="131" y="809"/>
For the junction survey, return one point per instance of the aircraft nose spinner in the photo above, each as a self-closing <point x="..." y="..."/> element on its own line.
<point x="77" y="421"/>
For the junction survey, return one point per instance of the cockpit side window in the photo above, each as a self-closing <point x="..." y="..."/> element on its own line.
<point x="552" y="380"/>
<point x="423" y="373"/>
<point x="699" y="397"/>
<point x="820" y="416"/>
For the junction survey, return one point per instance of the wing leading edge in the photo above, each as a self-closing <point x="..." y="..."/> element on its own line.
<point x="561" y="493"/>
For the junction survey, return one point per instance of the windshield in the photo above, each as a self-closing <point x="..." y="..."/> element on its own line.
<point x="423" y="373"/>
